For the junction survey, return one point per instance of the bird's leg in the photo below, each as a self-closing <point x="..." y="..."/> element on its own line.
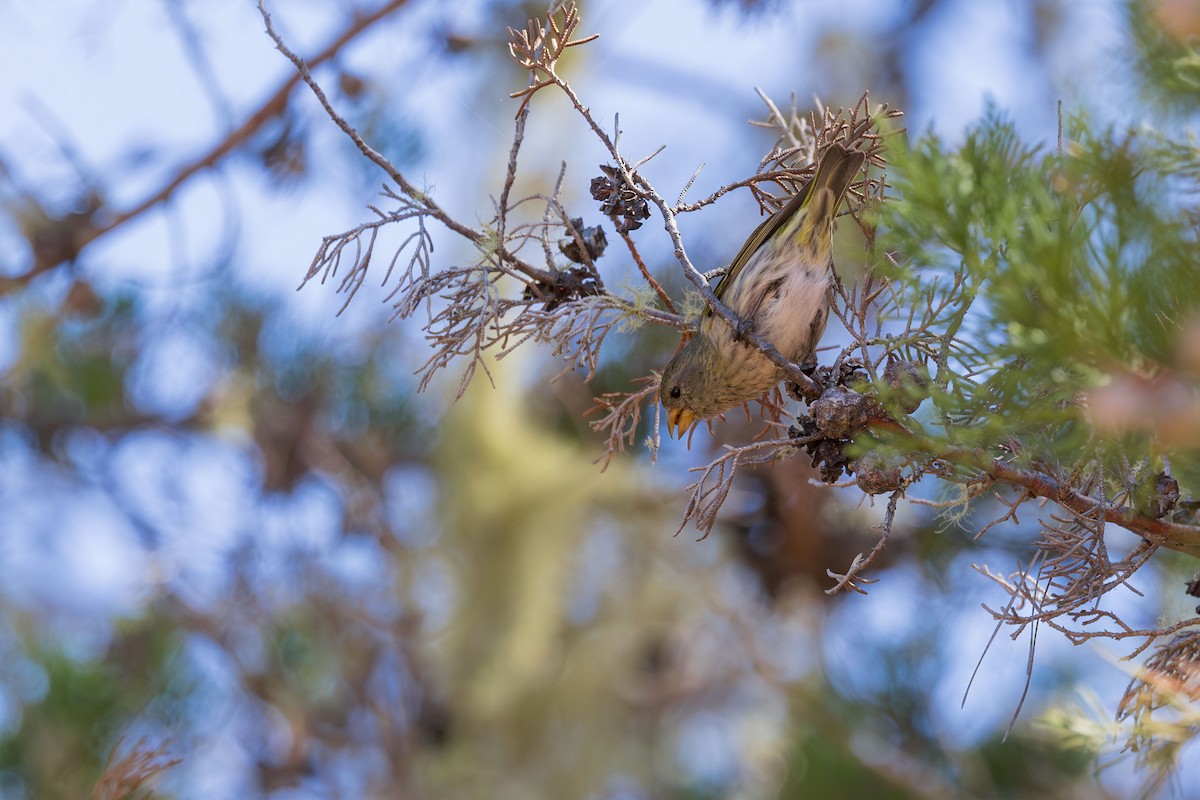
<point x="740" y="330"/>
<point x="809" y="367"/>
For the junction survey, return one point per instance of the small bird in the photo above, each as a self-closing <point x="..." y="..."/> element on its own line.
<point x="778" y="285"/>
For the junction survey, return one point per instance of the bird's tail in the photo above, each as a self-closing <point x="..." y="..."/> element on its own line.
<point x="823" y="195"/>
<point x="837" y="170"/>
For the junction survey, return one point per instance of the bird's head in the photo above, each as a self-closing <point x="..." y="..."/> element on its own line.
<point x="693" y="386"/>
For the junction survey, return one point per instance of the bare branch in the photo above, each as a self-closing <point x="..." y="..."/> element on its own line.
<point x="123" y="776"/>
<point x="622" y="417"/>
<point x="427" y="203"/>
<point x="851" y="578"/>
<point x="716" y="479"/>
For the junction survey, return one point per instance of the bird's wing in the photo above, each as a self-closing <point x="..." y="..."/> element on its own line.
<point x="835" y="172"/>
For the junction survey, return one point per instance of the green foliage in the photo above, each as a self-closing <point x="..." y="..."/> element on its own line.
<point x="1163" y="52"/>
<point x="1058" y="271"/>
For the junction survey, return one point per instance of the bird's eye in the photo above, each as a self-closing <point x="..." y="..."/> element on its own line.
<point x="675" y="392"/>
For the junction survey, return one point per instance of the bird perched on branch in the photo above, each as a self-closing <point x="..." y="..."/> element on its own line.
<point x="778" y="286"/>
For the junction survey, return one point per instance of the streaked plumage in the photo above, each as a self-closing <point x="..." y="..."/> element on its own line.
<point x="778" y="285"/>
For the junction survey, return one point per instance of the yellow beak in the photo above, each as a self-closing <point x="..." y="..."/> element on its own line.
<point x="679" y="422"/>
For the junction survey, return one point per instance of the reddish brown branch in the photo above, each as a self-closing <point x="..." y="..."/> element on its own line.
<point x="273" y="107"/>
<point x="658" y="289"/>
<point x="1172" y="535"/>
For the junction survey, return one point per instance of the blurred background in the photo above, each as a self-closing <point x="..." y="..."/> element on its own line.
<point x="233" y="535"/>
